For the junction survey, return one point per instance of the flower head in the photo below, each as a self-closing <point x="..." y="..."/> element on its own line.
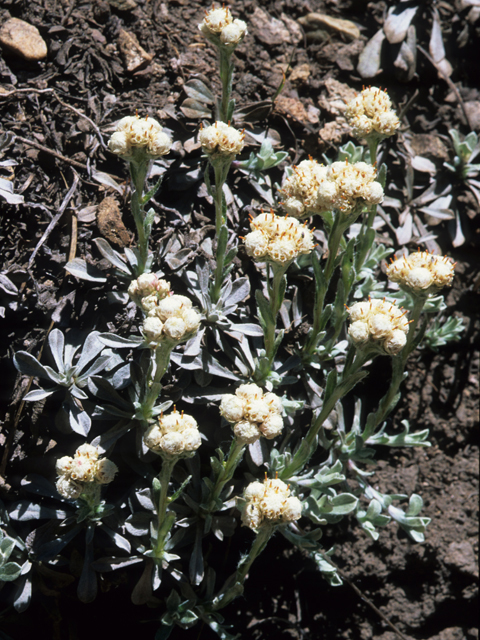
<point x="252" y="413"/>
<point x="169" y="318"/>
<point x="269" y="502"/>
<point x="146" y="133"/>
<point x="277" y="239"/>
<point x="370" y="113"/>
<point x="314" y="188"/>
<point x="79" y="474"/>
<point x="378" y="325"/>
<point x="422" y="273"/>
<point x="221" y="140"/>
<point x="221" y="29"/>
<point x="176" y="434"/>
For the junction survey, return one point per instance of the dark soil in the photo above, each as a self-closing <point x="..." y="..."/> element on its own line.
<point x="430" y="590"/>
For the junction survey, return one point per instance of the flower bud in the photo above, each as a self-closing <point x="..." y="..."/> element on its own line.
<point x="232" y="34"/>
<point x="68" y="489"/>
<point x="422" y="273"/>
<point x="152" y="329"/>
<point x="378" y="325"/>
<point x="370" y="113"/>
<point x="106" y="471"/>
<point x="221" y="140"/>
<point x="269" y="502"/>
<point x="176" y="434"/>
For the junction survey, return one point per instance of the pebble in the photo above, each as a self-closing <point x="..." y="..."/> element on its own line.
<point x="23" y="39"/>
<point x="134" y="55"/>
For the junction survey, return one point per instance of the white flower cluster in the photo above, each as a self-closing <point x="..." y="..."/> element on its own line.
<point x="253" y="413"/>
<point x="221" y="140"/>
<point x="269" y="501"/>
<point x="169" y="318"/>
<point x="277" y="239"/>
<point x="147" y="291"/>
<point x="220" y="28"/>
<point x="175" y="434"/>
<point x="83" y="470"/>
<point x="133" y="132"/>
<point x="422" y="273"/>
<point x="378" y="323"/>
<point x="370" y="112"/>
<point x="315" y="188"/>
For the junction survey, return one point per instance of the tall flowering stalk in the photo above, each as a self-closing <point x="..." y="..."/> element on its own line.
<point x="278" y="241"/>
<point x="139" y="141"/>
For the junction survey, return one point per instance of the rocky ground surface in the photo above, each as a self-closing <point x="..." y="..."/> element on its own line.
<point x="78" y="66"/>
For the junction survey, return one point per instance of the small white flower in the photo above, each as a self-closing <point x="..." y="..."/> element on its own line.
<point x="88" y="451"/>
<point x="376" y="323"/>
<point x="216" y="20"/>
<point x="233" y="33"/>
<point x="64" y="465"/>
<point x="371" y="113"/>
<point x="119" y="144"/>
<point x="221" y="139"/>
<point x="278" y="239"/>
<point x="272" y="426"/>
<point x="68" y="489"/>
<point x="269" y="502"/>
<point x="152" y="329"/>
<point x="249" y="391"/>
<point x="133" y="132"/>
<point x="232" y="407"/>
<point x="246" y="432"/>
<point x="175" y="434"/>
<point x="174" y="328"/>
<point x="106" y="471"/>
<point x="257" y="410"/>
<point x="422" y="273"/>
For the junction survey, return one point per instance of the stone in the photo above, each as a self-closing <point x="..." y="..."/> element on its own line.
<point x="23" y="39"/>
<point x="110" y="223"/>
<point x="134" y="56"/>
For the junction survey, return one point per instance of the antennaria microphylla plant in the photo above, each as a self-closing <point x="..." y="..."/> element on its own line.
<point x="215" y="416"/>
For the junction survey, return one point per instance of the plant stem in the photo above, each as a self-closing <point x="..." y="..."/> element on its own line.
<point x="226" y="76"/>
<point x="229" y="465"/>
<point x="263" y="536"/>
<point x="159" y="364"/>
<point x="276" y="294"/>
<point x="355" y="360"/>
<point x="221" y="166"/>
<point x="164" y="520"/>
<point x="398" y="365"/>
<point x="138" y="172"/>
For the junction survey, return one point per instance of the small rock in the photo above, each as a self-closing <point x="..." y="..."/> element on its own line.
<point x="110" y="223"/>
<point x="135" y="56"/>
<point x="123" y="5"/>
<point x="346" y="27"/>
<point x="23" y="39"/>
<point x="300" y="74"/>
<point x="269" y="30"/>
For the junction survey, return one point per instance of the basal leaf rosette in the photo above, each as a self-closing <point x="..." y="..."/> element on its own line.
<point x="313" y="188"/>
<point x="277" y="239"/>
<point x="221" y="29"/>
<point x="82" y="473"/>
<point x="174" y="435"/>
<point x="253" y="413"/>
<point x="269" y="502"/>
<point x="138" y="139"/>
<point x="170" y="319"/>
<point x="378" y="326"/>
<point x="370" y="114"/>
<point x="422" y="273"/>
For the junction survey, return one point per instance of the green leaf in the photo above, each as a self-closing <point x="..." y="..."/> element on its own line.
<point x="264" y="310"/>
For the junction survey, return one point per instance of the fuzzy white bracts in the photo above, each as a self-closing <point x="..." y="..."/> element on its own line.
<point x="133" y="132"/>
<point x="253" y="413"/>
<point x="378" y="325"/>
<point x="76" y="474"/>
<point x="277" y="239"/>
<point x="171" y="318"/>
<point x="269" y="502"/>
<point x="371" y="113"/>
<point x="221" y="140"/>
<point x="422" y="273"/>
<point x="176" y="434"/>
<point x="314" y="188"/>
<point x="147" y="291"/>
<point x="221" y="29"/>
